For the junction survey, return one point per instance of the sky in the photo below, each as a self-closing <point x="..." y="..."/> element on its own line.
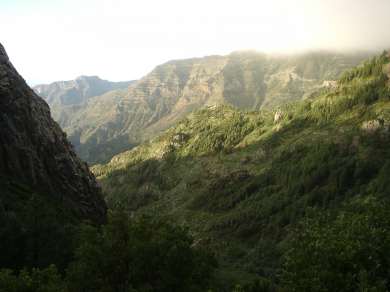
<point x="50" y="40"/>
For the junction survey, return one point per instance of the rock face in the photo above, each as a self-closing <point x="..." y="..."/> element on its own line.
<point x="67" y="97"/>
<point x="278" y="116"/>
<point x="372" y="126"/>
<point x="35" y="151"/>
<point x="330" y="84"/>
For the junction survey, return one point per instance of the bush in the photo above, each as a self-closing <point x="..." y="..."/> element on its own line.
<point x="138" y="255"/>
<point x="347" y="252"/>
<point x="36" y="280"/>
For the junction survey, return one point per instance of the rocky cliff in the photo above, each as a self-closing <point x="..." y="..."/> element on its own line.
<point x="35" y="152"/>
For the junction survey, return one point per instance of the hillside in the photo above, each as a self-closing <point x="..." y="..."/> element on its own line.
<point x="243" y="180"/>
<point x="45" y="188"/>
<point x="118" y="120"/>
<point x="65" y="98"/>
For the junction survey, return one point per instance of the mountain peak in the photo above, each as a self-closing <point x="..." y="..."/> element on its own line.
<point x="3" y="54"/>
<point x="34" y="151"/>
<point x="86" y="77"/>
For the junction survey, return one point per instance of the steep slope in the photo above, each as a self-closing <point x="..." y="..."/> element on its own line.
<point x="67" y="97"/>
<point x="119" y="120"/>
<point x="45" y="187"/>
<point x="242" y="180"/>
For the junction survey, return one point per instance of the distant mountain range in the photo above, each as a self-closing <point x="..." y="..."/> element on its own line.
<point x="66" y="97"/>
<point x="103" y="118"/>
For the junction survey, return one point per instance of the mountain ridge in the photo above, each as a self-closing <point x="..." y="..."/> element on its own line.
<point x="121" y="119"/>
<point x="66" y="97"/>
<point x="45" y="188"/>
<point x="38" y="135"/>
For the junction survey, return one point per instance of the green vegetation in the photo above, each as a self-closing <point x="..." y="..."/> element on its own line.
<point x="348" y="251"/>
<point x="124" y="255"/>
<point x="36" y="280"/>
<point x="290" y="199"/>
<point x="243" y="181"/>
<point x="35" y="230"/>
<point x="107" y="124"/>
<point x="138" y="255"/>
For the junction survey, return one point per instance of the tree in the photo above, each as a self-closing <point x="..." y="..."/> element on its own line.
<point x="138" y="255"/>
<point x="347" y="252"/>
<point x="36" y="280"/>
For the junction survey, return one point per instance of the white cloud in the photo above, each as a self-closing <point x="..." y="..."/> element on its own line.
<point x="52" y="40"/>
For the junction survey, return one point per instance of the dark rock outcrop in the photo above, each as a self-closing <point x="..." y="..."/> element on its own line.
<point x="35" y="151"/>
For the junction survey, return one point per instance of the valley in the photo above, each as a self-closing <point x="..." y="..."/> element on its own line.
<point x="243" y="172"/>
<point x="243" y="181"/>
<point x="194" y="146"/>
<point x="104" y="125"/>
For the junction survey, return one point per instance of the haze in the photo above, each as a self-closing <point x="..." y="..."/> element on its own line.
<point x="123" y="40"/>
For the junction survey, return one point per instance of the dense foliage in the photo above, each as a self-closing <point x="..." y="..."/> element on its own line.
<point x="346" y="252"/>
<point x="138" y="255"/>
<point x="124" y="255"/>
<point x="34" y="231"/>
<point x="36" y="280"/>
<point x="294" y="199"/>
<point x="244" y="180"/>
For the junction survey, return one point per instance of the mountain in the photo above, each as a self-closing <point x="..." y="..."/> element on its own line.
<point x="67" y="97"/>
<point x="118" y="120"/>
<point x="45" y="188"/>
<point x="244" y="180"/>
